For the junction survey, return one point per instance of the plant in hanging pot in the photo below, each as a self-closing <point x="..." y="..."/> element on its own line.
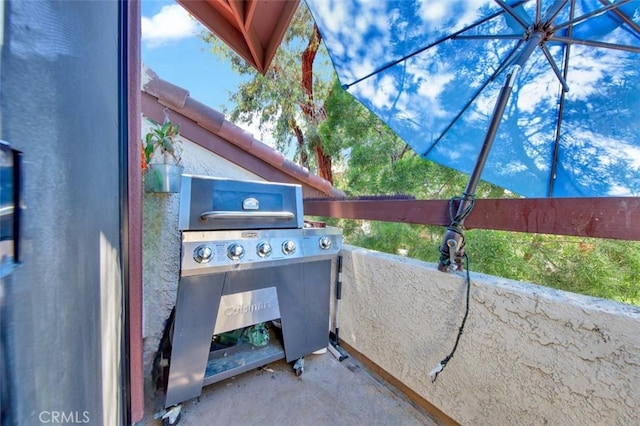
<point x="161" y="161"/>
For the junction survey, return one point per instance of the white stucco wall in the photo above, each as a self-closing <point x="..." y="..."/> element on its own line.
<point x="529" y="354"/>
<point x="161" y="244"/>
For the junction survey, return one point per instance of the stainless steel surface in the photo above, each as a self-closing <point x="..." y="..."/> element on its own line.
<point x="264" y="249"/>
<point x="325" y="243"/>
<point x="163" y="178"/>
<point x="202" y="254"/>
<point x="238" y="204"/>
<point x="235" y="251"/>
<point x="248" y="215"/>
<point x="238" y="250"/>
<point x="303" y="300"/>
<point x="246" y="260"/>
<point x="288" y="247"/>
<point x="243" y="309"/>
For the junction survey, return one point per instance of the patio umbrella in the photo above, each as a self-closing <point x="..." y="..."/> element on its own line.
<point x="538" y="97"/>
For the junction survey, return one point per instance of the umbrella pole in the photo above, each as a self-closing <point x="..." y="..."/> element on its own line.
<point x="452" y="247"/>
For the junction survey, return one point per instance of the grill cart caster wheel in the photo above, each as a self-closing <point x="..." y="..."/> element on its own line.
<point x="298" y="367"/>
<point x="172" y="416"/>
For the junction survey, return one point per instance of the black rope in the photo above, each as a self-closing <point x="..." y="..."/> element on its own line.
<point x="455" y="230"/>
<point x="434" y="373"/>
<point x="458" y="219"/>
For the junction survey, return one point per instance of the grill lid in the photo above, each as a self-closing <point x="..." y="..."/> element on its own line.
<point x="208" y="203"/>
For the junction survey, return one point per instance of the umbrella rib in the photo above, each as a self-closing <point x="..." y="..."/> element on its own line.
<point x="459" y="114"/>
<point x="430" y="45"/>
<point x="556" y="146"/>
<point x="491" y="37"/>
<point x="554" y="11"/>
<point x="509" y="59"/>
<point x="402" y="80"/>
<point x="538" y="10"/>
<point x="627" y="20"/>
<point x="524" y="24"/>
<point x="586" y="16"/>
<point x="554" y="67"/>
<point x="556" y="142"/>
<point x="569" y="40"/>
<point x="500" y="68"/>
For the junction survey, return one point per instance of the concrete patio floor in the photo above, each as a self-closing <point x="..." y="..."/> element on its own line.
<point x="329" y="392"/>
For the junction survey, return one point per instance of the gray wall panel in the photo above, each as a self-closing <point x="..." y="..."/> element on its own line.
<point x="59" y="105"/>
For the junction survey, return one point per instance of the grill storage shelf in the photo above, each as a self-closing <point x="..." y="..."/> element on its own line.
<point x="228" y="362"/>
<point x="247" y="259"/>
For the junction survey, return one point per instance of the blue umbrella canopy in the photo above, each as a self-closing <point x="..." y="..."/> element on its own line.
<point x="437" y="71"/>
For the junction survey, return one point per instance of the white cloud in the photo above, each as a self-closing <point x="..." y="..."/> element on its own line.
<point x="172" y="23"/>
<point x="432" y="12"/>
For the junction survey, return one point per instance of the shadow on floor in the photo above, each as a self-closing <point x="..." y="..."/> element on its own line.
<point x="327" y="393"/>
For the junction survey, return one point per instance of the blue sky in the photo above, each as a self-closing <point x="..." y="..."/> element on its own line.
<point x="172" y="49"/>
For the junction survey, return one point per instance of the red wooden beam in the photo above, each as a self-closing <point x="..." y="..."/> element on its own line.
<point x="616" y="218"/>
<point x="132" y="236"/>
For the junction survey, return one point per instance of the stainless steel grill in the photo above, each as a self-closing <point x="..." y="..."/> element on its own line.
<point x="247" y="259"/>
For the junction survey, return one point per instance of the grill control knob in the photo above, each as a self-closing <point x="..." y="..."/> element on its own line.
<point x="325" y="243"/>
<point x="263" y="249"/>
<point x="235" y="252"/>
<point x="288" y="247"/>
<point x="202" y="254"/>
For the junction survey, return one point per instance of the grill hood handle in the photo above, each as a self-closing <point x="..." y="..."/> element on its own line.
<point x="240" y="215"/>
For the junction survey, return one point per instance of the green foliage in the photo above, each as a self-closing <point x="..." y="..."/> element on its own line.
<point x="275" y="101"/>
<point x="375" y="161"/>
<point x="378" y="163"/>
<point x="596" y="267"/>
<point x="162" y="138"/>
<point x="602" y="268"/>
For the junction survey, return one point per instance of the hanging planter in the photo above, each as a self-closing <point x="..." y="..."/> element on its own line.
<point x="161" y="144"/>
<point x="163" y="178"/>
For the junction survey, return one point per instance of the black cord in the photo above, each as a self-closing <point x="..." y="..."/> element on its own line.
<point x="455" y="231"/>
<point x="444" y="362"/>
<point x="457" y="219"/>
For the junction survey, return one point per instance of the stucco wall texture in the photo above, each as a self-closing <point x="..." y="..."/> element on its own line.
<point x="161" y="242"/>
<point x="529" y="354"/>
